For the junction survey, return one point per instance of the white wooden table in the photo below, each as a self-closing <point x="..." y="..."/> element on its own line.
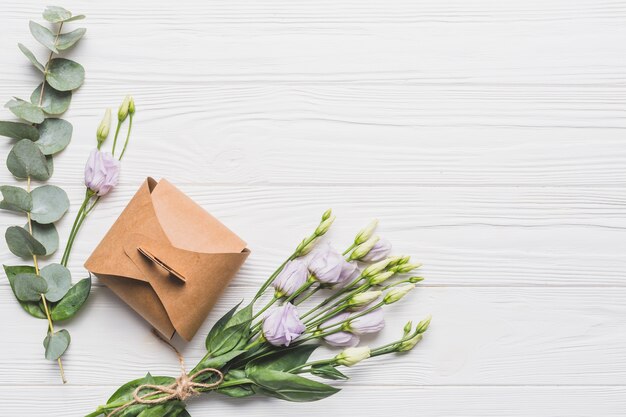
<point x="487" y="136"/>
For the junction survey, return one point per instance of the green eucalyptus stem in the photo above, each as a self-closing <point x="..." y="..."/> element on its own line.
<point x="45" y="72"/>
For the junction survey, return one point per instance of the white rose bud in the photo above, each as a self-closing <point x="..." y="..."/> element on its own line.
<point x="352" y="356"/>
<point x="395" y="294"/>
<point x="409" y="344"/>
<point x="366" y="232"/>
<point x="364" y="248"/>
<point x="122" y="113"/>
<point x="363" y="299"/>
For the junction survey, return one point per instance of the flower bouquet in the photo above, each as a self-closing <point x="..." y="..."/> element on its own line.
<point x="266" y="350"/>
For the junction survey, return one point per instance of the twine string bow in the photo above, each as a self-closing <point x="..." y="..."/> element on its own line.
<point x="182" y="388"/>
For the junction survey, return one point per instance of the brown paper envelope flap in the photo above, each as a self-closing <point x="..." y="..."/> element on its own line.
<point x="207" y="275"/>
<point x="160" y="262"/>
<point x="142" y="298"/>
<point x="109" y="257"/>
<point x="189" y="226"/>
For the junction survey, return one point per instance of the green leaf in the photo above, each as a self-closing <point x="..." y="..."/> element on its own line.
<point x="69" y="39"/>
<point x="25" y="110"/>
<point x="233" y="334"/>
<point x="43" y="35"/>
<point x="54" y="102"/>
<point x="290" y="387"/>
<point x="49" y="204"/>
<point x="219" y="326"/>
<point x="72" y="302"/>
<point x="16" y="130"/>
<point x="31" y="57"/>
<point x="26" y="160"/>
<point x="328" y="372"/>
<point x="56" y="344"/>
<point x="54" y="135"/>
<point x="22" y="244"/>
<point x="237" y="391"/>
<point x="284" y="359"/>
<point x="125" y="392"/>
<point x="169" y="409"/>
<point x="59" y="280"/>
<point x="56" y="14"/>
<point x="31" y="307"/>
<point x="15" y="199"/>
<point x="29" y="286"/>
<point x="47" y="235"/>
<point x="64" y="74"/>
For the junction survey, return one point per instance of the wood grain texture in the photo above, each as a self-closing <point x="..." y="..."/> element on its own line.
<point x="487" y="137"/>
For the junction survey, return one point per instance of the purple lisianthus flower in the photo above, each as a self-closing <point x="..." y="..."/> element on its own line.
<point x="330" y="267"/>
<point x="102" y="172"/>
<point x="293" y="276"/>
<point x="379" y="251"/>
<point x="372" y="322"/>
<point x="342" y="338"/>
<point x="283" y="325"/>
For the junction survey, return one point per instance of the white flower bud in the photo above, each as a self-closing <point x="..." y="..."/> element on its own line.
<point x="395" y="294"/>
<point x="375" y="268"/>
<point x="363" y="299"/>
<point x="352" y="356"/>
<point x="422" y="326"/>
<point x="415" y="280"/>
<point x="366" y="232"/>
<point x="122" y="113"/>
<point x="327" y="214"/>
<point x="131" y="106"/>
<point x="364" y="248"/>
<point x="324" y="226"/>
<point x="105" y="127"/>
<point x="380" y="278"/>
<point x="399" y="260"/>
<point x="404" y="268"/>
<point x="304" y="248"/>
<point x="407" y="328"/>
<point x="409" y="344"/>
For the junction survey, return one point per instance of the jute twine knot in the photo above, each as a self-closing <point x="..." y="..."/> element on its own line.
<point x="181" y="389"/>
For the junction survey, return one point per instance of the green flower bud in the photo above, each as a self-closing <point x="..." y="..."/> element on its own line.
<point x="422" y="326"/>
<point x="395" y="294"/>
<point x="407" y="328"/>
<point x="304" y="247"/>
<point x="324" y="226"/>
<point x="409" y="344"/>
<point x="366" y="232"/>
<point x="122" y="113"/>
<point x="363" y="299"/>
<point x="131" y="106"/>
<point x="415" y="280"/>
<point x="105" y="127"/>
<point x="380" y="278"/>
<point x="399" y="260"/>
<point x="352" y="356"/>
<point x="326" y="214"/>
<point x="375" y="268"/>
<point x="404" y="268"/>
<point x="364" y="248"/>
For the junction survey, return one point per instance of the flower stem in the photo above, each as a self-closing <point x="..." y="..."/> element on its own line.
<point x="117" y="132"/>
<point x="130" y="126"/>
<point x="80" y="216"/>
<point x="43" y="298"/>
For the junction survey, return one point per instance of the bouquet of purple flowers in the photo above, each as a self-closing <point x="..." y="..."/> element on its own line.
<point x="266" y="350"/>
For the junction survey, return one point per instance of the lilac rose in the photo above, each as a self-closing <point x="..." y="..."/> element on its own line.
<point x="330" y="267"/>
<point x="282" y="325"/>
<point x="102" y="172"/>
<point x="293" y="276"/>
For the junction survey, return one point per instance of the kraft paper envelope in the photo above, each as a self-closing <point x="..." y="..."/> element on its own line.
<point x="168" y="258"/>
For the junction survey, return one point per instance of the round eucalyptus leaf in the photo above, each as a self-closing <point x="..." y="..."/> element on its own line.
<point x="31" y="307"/>
<point x="54" y="135"/>
<point x="47" y="235"/>
<point x="56" y="14"/>
<point x="26" y="160"/>
<point x="54" y="101"/>
<point x="31" y="57"/>
<point x="21" y="243"/>
<point x="17" y="130"/>
<point x="75" y="18"/>
<point x="49" y="204"/>
<point x="43" y="35"/>
<point x="64" y="74"/>
<point x="59" y="281"/>
<point x="56" y="344"/>
<point x="69" y="39"/>
<point x="15" y="199"/>
<point x="29" y="286"/>
<point x="25" y="110"/>
<point x="73" y="300"/>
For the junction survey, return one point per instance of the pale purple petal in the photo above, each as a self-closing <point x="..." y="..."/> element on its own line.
<point x="293" y="276"/>
<point x="329" y="266"/>
<point x="101" y="172"/>
<point x="283" y="325"/>
<point x="372" y="322"/>
<point x="380" y="251"/>
<point x="342" y="339"/>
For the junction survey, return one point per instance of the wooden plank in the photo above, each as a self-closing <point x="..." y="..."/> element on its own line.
<point x="479" y="336"/>
<point x="495" y="236"/>
<point x="583" y="401"/>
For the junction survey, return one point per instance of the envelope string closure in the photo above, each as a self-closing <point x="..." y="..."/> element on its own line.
<point x="182" y="388"/>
